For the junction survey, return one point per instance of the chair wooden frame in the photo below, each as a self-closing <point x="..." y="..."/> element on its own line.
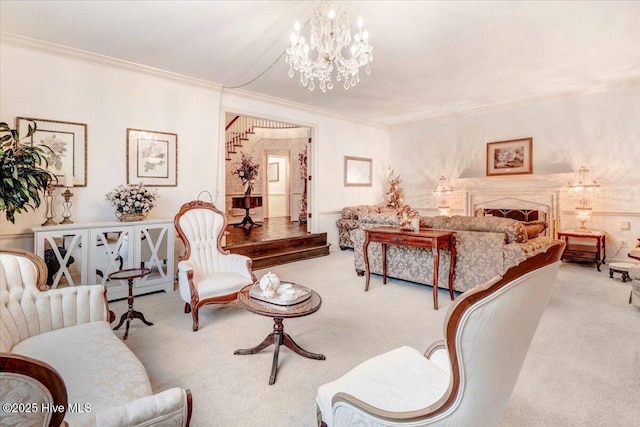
<point x="196" y="302"/>
<point x="45" y="374"/>
<point x="453" y="323"/>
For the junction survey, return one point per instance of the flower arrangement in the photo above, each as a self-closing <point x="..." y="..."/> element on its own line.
<point x="132" y="199"/>
<point x="247" y="170"/>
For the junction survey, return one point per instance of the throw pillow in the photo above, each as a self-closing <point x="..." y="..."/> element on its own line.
<point x="534" y="228"/>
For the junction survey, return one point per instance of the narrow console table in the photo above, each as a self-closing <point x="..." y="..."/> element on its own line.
<point x="581" y="252"/>
<point x="424" y="238"/>
<point x="246" y="203"/>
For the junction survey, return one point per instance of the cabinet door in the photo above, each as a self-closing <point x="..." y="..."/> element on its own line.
<point x="110" y="252"/>
<point x="155" y="252"/>
<point x="65" y="254"/>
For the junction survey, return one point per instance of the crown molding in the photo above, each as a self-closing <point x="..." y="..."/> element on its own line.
<point x="611" y="85"/>
<point x="83" y="55"/>
<point x="90" y="57"/>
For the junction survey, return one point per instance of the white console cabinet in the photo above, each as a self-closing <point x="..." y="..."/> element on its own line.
<point x="86" y="253"/>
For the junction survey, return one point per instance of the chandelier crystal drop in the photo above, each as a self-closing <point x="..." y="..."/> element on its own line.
<point x="330" y="38"/>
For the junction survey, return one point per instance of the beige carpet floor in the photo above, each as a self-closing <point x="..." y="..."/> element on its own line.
<point x="583" y="368"/>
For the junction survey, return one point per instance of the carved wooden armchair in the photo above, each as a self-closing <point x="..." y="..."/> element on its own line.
<point x="465" y="380"/>
<point x="207" y="274"/>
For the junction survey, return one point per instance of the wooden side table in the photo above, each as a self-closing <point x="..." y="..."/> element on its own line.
<point x="247" y="203"/>
<point x="424" y="238"/>
<point x="129" y="275"/>
<point x="584" y="253"/>
<point x="279" y="337"/>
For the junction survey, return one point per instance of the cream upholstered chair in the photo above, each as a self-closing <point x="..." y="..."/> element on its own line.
<point x="467" y="379"/>
<point x="207" y="274"/>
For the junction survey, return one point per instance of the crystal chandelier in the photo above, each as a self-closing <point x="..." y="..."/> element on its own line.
<point x="330" y="36"/>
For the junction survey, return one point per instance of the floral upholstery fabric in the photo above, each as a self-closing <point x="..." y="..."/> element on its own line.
<point x="481" y="255"/>
<point x="513" y="229"/>
<point x="350" y="220"/>
<point x="117" y="376"/>
<point x="21" y="389"/>
<point x="479" y="258"/>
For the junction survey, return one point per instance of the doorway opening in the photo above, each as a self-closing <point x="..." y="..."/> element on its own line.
<point x="279" y="151"/>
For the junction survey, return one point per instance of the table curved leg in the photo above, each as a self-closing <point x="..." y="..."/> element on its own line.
<point x="124" y="317"/>
<point x="264" y="344"/>
<point x="139" y="315"/>
<point x="290" y="343"/>
<point x="277" y="340"/>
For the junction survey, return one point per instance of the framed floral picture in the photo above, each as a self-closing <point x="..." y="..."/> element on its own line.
<point x="513" y="157"/>
<point x="152" y="158"/>
<point x="67" y="143"/>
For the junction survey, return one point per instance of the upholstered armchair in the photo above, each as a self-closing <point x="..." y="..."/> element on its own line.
<point x="465" y="380"/>
<point x="207" y="274"/>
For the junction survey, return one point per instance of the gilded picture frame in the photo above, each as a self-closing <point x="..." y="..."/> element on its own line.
<point x="511" y="157"/>
<point x="152" y="158"/>
<point x="67" y="143"/>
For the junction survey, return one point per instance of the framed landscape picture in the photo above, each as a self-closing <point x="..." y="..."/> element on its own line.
<point x="67" y="143"/>
<point x="152" y="158"/>
<point x="513" y="157"/>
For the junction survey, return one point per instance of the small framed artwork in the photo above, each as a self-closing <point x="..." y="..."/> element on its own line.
<point x="152" y="158"/>
<point x="274" y="172"/>
<point x="67" y="143"/>
<point x="357" y="171"/>
<point x="513" y="157"/>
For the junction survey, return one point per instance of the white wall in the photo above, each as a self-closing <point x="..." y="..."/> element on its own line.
<point x="598" y="129"/>
<point x="55" y="84"/>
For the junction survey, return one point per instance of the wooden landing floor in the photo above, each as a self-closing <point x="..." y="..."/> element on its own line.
<point x="272" y="229"/>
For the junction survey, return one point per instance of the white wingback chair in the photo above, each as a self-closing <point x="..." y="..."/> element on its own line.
<point x="207" y="274"/>
<point x="465" y="380"/>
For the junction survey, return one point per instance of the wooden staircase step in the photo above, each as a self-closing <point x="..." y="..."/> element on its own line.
<point x="274" y="252"/>
<point x="290" y="256"/>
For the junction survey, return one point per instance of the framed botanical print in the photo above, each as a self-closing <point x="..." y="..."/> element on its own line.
<point x="152" y="158"/>
<point x="513" y="157"/>
<point x="67" y="147"/>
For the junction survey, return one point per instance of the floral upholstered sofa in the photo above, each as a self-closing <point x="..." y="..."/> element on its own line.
<point x="61" y="362"/>
<point x="485" y="247"/>
<point x="349" y="221"/>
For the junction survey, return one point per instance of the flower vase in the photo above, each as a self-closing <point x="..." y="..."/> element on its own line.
<point x="131" y="216"/>
<point x="247" y="187"/>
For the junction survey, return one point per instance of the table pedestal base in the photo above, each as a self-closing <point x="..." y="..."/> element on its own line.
<point x="247" y="220"/>
<point x="131" y="313"/>
<point x="278" y="337"/>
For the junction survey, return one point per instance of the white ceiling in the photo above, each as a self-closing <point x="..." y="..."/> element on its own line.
<point x="431" y="58"/>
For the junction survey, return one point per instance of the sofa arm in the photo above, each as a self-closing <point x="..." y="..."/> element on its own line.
<point x="170" y="407"/>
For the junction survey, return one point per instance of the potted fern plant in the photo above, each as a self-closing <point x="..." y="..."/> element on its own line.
<point x="24" y="174"/>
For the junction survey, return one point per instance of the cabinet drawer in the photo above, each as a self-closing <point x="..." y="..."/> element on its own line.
<point x="579" y="254"/>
